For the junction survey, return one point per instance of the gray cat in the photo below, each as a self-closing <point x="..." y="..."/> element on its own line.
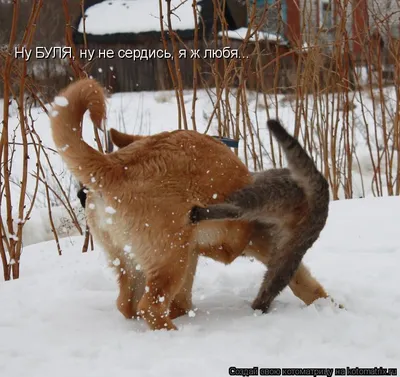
<point x="289" y="209"/>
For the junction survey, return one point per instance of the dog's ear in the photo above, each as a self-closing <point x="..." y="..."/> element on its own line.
<point x="121" y="139"/>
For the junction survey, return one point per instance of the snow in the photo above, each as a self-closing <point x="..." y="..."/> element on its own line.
<point x="240" y="34"/>
<point x="116" y="262"/>
<point x="60" y="317"/>
<point x="38" y="229"/>
<point x="191" y="313"/>
<point x="136" y="16"/>
<point x="61" y="101"/>
<point x="127" y="249"/>
<point x="110" y="210"/>
<point x="64" y="148"/>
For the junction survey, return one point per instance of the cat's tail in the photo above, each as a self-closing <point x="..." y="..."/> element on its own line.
<point x="300" y="163"/>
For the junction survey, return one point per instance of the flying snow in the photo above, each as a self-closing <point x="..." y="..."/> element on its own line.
<point x="64" y="148"/>
<point x="61" y="101"/>
<point x="127" y="248"/>
<point x="110" y="210"/>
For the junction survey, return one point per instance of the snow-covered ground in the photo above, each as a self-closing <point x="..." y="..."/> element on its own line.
<point x="59" y="319"/>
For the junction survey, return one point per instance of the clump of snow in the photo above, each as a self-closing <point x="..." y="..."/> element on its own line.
<point x="61" y="101"/>
<point x="215" y="196"/>
<point x="54" y="113"/>
<point x="110" y="210"/>
<point x="191" y="314"/>
<point x="64" y="148"/>
<point x="92" y="206"/>
<point x="127" y="248"/>
<point x="116" y="262"/>
<point x="136" y="16"/>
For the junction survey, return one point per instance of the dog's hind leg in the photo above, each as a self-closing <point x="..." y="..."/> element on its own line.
<point x="222" y="240"/>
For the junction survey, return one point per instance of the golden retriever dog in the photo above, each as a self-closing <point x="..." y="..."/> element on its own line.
<point x="138" y="204"/>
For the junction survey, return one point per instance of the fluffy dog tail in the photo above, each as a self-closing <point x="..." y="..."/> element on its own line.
<point x="87" y="164"/>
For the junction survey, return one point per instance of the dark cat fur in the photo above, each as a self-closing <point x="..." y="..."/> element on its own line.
<point x="287" y="206"/>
